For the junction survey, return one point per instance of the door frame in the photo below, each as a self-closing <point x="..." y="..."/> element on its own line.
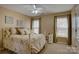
<point x="69" y="29"/>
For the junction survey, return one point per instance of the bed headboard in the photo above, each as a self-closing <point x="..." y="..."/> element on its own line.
<point x="7" y="31"/>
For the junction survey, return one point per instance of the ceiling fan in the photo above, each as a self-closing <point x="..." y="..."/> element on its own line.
<point x="36" y="10"/>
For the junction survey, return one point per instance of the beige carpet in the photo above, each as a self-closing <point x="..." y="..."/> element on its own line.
<point x="56" y="48"/>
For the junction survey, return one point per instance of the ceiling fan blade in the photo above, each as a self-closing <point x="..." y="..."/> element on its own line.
<point x="34" y="6"/>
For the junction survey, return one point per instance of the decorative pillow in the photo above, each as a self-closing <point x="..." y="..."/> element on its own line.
<point x="27" y="31"/>
<point x="7" y="31"/>
<point x="18" y="31"/>
<point x="13" y="31"/>
<point x="22" y="31"/>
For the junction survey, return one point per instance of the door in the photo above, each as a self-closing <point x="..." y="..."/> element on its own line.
<point x="77" y="27"/>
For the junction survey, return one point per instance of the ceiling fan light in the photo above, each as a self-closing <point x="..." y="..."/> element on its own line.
<point x="35" y="11"/>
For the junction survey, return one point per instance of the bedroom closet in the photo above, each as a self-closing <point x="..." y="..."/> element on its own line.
<point x="77" y="24"/>
<point x="62" y="29"/>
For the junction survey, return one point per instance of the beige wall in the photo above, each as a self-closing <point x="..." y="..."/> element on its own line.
<point x="16" y="16"/>
<point x="47" y="23"/>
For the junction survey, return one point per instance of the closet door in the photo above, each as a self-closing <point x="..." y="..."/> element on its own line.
<point x="77" y="27"/>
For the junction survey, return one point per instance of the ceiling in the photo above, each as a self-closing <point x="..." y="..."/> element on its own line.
<point x="26" y="9"/>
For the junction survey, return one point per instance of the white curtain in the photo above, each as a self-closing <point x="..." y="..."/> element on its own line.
<point x="62" y="26"/>
<point x="35" y="26"/>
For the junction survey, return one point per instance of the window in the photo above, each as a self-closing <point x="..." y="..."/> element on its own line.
<point x="62" y="26"/>
<point x="35" y="25"/>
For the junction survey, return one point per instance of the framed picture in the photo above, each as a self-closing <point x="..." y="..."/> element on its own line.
<point x="8" y="20"/>
<point x="20" y="23"/>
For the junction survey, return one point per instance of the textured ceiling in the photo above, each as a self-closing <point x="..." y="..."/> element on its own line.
<point x="26" y="9"/>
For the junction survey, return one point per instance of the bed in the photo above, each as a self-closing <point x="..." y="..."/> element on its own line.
<point x="29" y="43"/>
